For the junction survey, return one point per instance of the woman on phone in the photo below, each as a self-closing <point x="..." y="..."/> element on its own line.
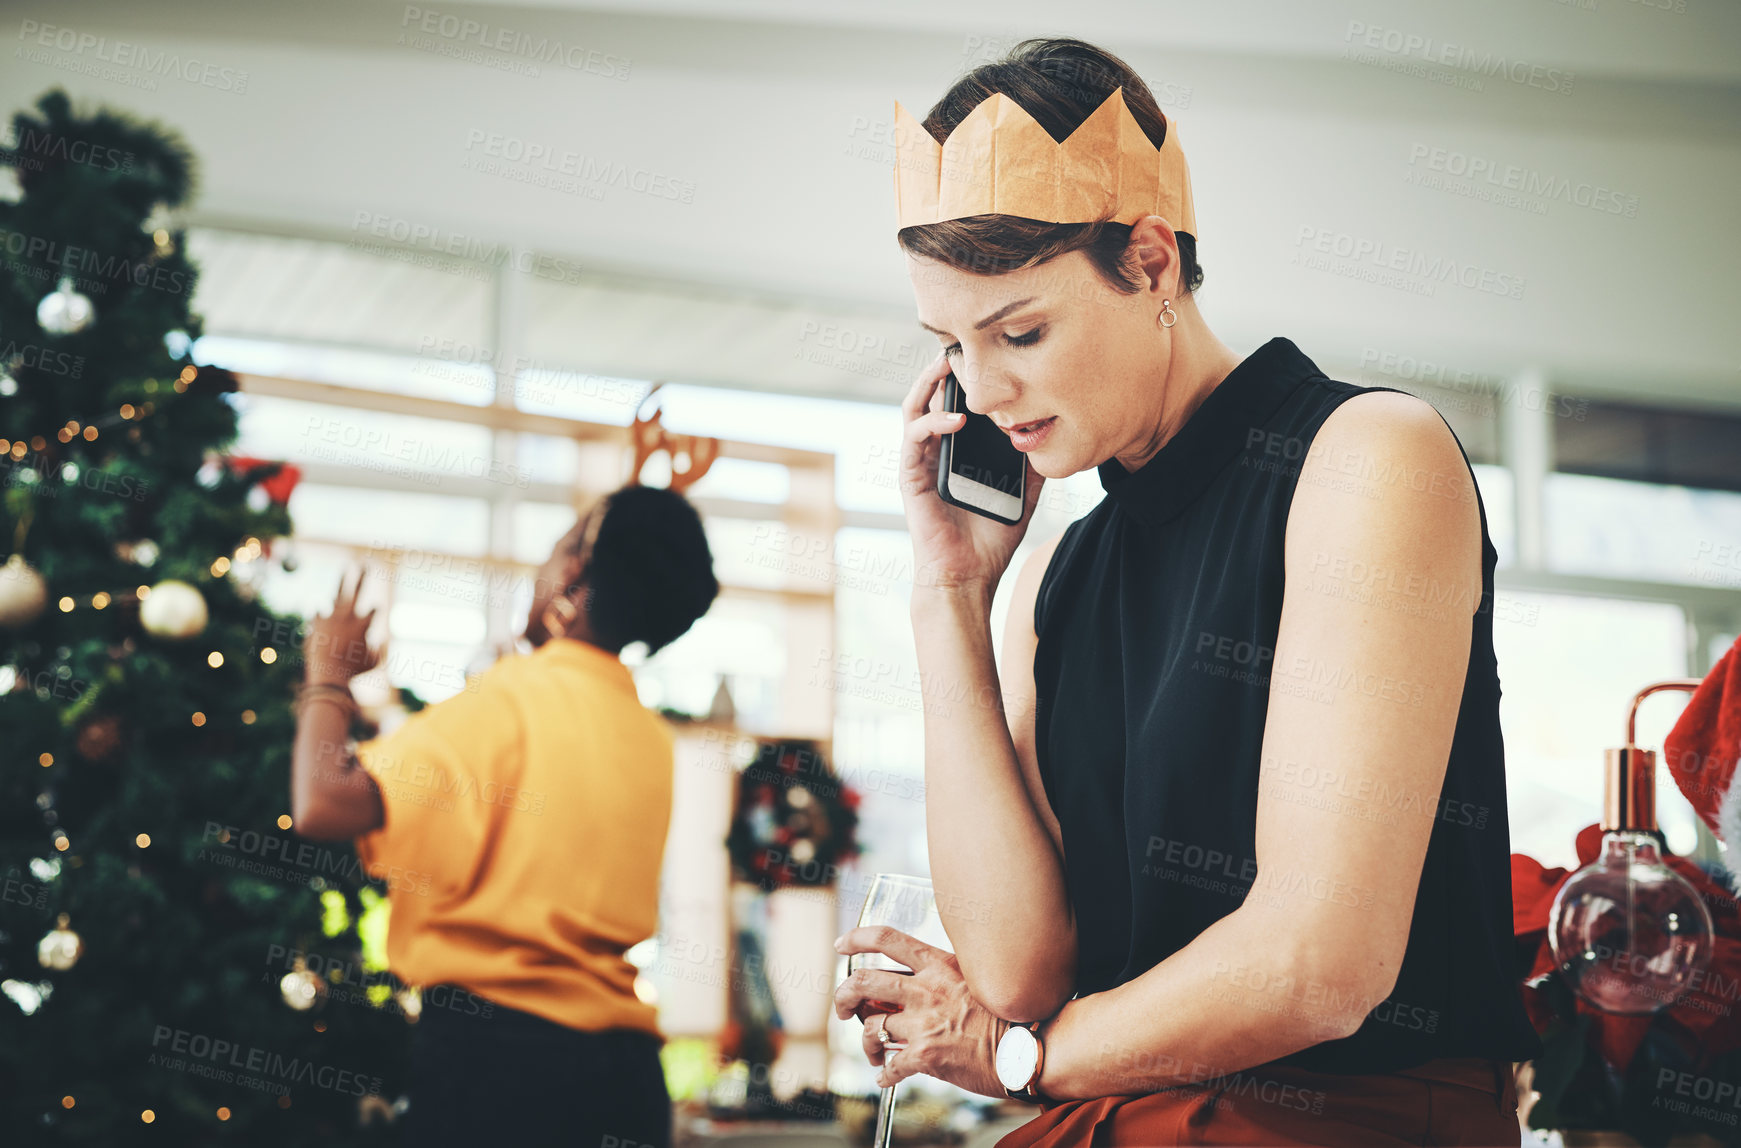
<point x="1236" y="835"/>
<point x="521" y="826"/>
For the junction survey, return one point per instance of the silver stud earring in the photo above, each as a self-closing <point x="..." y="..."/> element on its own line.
<point x="1168" y="316"/>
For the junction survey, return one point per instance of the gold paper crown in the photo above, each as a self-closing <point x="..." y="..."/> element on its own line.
<point x="998" y="160"/>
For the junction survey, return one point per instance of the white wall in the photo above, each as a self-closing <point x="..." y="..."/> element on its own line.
<point x="775" y="113"/>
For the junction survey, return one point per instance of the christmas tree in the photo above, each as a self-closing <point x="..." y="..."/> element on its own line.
<point x="178" y="967"/>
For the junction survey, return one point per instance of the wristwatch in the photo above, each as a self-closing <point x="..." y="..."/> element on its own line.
<point x="1020" y="1055"/>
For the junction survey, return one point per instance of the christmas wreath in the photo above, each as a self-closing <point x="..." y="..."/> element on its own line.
<point x="794" y="822"/>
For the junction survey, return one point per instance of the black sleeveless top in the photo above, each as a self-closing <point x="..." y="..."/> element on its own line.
<point x="1153" y="621"/>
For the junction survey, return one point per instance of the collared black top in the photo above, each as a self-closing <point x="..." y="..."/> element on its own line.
<point x="1156" y="621"/>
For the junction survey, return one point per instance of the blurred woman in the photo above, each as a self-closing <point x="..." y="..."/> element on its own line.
<point x="521" y="824"/>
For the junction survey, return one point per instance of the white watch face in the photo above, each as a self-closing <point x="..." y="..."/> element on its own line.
<point x="1018" y="1054"/>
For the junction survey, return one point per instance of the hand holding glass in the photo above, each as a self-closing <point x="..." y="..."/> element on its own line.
<point x="905" y="904"/>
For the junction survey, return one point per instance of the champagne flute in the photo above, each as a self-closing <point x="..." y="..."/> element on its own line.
<point x="908" y="905"/>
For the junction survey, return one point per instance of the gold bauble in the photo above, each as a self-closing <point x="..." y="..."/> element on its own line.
<point x="23" y="593"/>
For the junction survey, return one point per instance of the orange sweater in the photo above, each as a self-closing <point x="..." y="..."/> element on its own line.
<point x="525" y="825"/>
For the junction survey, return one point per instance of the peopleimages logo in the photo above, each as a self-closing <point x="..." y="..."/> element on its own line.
<point x="124" y="59"/>
<point x="1447" y="54"/>
<point x="461" y="34"/>
<point x="1433" y="269"/>
<point x="94" y="271"/>
<point x="258" y="1068"/>
<point x="1525" y="181"/>
<point x="44" y="359"/>
<point x="32" y="150"/>
<point x="551" y="162"/>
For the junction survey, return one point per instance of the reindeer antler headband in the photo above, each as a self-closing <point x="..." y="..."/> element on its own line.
<point x="998" y="160"/>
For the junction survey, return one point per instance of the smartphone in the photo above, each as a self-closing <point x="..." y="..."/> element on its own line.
<point x="978" y="468"/>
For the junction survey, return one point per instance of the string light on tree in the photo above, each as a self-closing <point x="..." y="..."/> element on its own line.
<point x="157" y="225"/>
<point x="142" y="552"/>
<point x="302" y="989"/>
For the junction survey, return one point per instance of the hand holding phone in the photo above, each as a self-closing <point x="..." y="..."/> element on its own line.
<point x="953" y="549"/>
<point x="978" y="469"/>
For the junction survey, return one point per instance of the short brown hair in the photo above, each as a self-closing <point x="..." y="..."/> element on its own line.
<point x="1059" y="82"/>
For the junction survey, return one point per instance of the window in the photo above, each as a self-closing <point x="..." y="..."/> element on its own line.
<point x="1568" y="669"/>
<point x="1620" y="529"/>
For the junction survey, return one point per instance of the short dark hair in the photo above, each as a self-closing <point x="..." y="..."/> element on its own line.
<point x="651" y="573"/>
<point x="1059" y="82"/>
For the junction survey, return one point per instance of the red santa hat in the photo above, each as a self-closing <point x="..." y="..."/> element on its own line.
<point x="1704" y="747"/>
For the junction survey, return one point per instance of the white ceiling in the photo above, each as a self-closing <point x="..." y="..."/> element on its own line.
<point x="774" y="111"/>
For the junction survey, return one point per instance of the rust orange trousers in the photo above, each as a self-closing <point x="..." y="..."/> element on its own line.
<point x="1460" y="1101"/>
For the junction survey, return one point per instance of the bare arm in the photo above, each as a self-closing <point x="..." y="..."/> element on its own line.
<point x="331" y="797"/>
<point x="1318" y="941"/>
<point x="996" y="848"/>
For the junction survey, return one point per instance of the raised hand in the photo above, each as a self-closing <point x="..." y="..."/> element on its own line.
<point x="336" y="647"/>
